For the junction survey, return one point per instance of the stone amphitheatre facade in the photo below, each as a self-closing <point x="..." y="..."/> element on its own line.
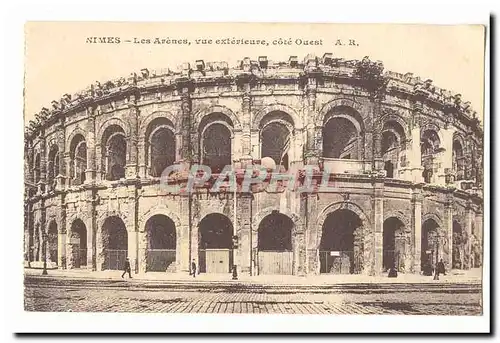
<point x="403" y="158"/>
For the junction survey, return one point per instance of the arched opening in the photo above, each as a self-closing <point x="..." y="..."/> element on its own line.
<point x="341" y="248"/>
<point x="274" y="244"/>
<point x="160" y="146"/>
<point x="457" y="255"/>
<point x="429" y="148"/>
<point x="78" y="160"/>
<point x="216" y="142"/>
<point x="215" y="132"/>
<point x="161" y="240"/>
<point x="275" y="138"/>
<point x="340" y="139"/>
<point x="78" y="243"/>
<point x="215" y="243"/>
<point x="115" y="243"/>
<point x="394" y="244"/>
<point x="114" y="153"/>
<point x="52" y="243"/>
<point x="430" y="246"/>
<point x="392" y="146"/>
<point x="53" y="166"/>
<point x="458" y="160"/>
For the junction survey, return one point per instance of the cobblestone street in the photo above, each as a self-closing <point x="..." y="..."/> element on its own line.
<point x="106" y="296"/>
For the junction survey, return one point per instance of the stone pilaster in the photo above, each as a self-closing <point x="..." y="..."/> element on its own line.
<point x="91" y="171"/>
<point x="309" y="207"/>
<point x="143" y="165"/>
<point x="133" y="117"/>
<point x="416" y="224"/>
<point x="60" y="174"/>
<point x="378" y="227"/>
<point x="447" y="233"/>
<point x="183" y="244"/>
<point x="244" y="218"/>
<point x="468" y="235"/>
<point x="92" y="229"/>
<point x="246" y="142"/>
<point x="313" y="133"/>
<point x="43" y="164"/>
<point x="186" y="106"/>
<point x="62" y="235"/>
<point x="378" y="162"/>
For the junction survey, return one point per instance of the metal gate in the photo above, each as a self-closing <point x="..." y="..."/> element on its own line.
<point x="338" y="262"/>
<point x="215" y="260"/>
<point x="275" y="262"/>
<point x="115" y="259"/>
<point x="159" y="260"/>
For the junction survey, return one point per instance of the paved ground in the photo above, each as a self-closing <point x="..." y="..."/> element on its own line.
<point x="66" y="294"/>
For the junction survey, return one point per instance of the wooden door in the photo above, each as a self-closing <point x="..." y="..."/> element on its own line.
<point x="217" y="260"/>
<point x="275" y="262"/>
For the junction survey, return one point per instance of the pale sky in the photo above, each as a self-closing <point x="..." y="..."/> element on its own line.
<point x="58" y="60"/>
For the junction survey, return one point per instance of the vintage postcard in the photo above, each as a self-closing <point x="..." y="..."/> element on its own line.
<point x="254" y="168"/>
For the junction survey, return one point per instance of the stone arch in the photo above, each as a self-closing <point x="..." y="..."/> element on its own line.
<point x="213" y="210"/>
<point x="332" y="105"/>
<point x="75" y="132"/>
<point x="146" y="122"/>
<point x="457" y="136"/>
<point x="278" y="107"/>
<point x="218" y="109"/>
<point x="113" y="213"/>
<point x="435" y="217"/>
<point x="398" y="118"/>
<point x="157" y="210"/>
<point x="110" y="122"/>
<point x="401" y="216"/>
<point x="269" y="210"/>
<point x="432" y="127"/>
<point x="346" y="205"/>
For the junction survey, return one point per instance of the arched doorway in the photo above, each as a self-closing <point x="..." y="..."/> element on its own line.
<point x="215" y="244"/>
<point x="394" y="244"/>
<point x="52" y="243"/>
<point x="340" y="250"/>
<point x="430" y="246"/>
<point x="78" y="243"/>
<point x="161" y="240"/>
<point x="115" y="242"/>
<point x="275" y="255"/>
<point x="457" y="255"/>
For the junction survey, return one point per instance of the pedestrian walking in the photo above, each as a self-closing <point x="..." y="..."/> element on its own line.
<point x="193" y="268"/>
<point x="127" y="269"/>
<point x="440" y="269"/>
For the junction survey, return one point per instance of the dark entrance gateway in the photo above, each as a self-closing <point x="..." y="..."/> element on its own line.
<point x="215" y="244"/>
<point x="340" y="252"/>
<point x="275" y="255"/>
